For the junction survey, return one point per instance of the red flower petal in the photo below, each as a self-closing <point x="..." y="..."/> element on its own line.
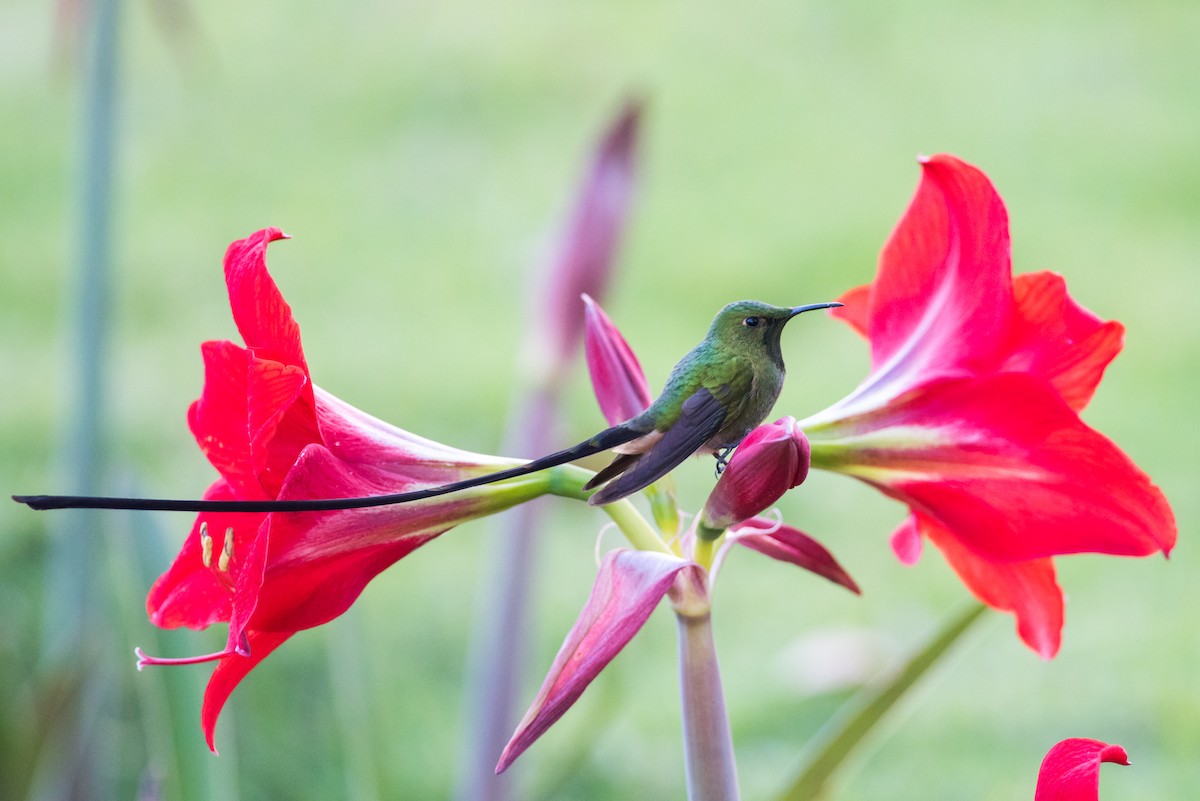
<point x="1028" y="590"/>
<point x="1054" y="337"/>
<point x="188" y="593"/>
<point x="229" y="671"/>
<point x="1071" y="770"/>
<point x="1006" y="466"/>
<point x="218" y="418"/>
<point x="263" y="317"/>
<point x="943" y="295"/>
<point x="319" y="562"/>
<point x="787" y="544"/>
<point x="282" y="419"/>
<point x="628" y="587"/>
<point x="617" y="376"/>
<point x="855" y="308"/>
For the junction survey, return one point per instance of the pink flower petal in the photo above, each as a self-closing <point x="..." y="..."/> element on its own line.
<point x="628" y="587"/>
<point x="906" y="541"/>
<point x="617" y="376"/>
<point x="1071" y="770"/>
<point x="786" y="544"/>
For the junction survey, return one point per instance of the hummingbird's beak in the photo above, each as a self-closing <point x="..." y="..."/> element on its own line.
<point x="812" y="307"/>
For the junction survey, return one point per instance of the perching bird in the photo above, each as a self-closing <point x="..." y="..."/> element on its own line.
<point x="716" y="395"/>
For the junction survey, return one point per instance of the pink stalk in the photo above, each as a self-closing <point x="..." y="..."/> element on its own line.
<point x="707" y="742"/>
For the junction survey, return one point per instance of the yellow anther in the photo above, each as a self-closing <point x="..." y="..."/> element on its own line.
<point x="226" y="551"/>
<point x="205" y="544"/>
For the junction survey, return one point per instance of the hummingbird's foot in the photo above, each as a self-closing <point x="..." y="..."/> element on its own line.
<point x="723" y="459"/>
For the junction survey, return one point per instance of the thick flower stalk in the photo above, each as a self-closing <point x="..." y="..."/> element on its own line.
<point x="271" y="434"/>
<point x="970" y="413"/>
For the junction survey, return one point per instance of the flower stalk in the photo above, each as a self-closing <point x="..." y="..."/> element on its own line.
<point x="707" y="742"/>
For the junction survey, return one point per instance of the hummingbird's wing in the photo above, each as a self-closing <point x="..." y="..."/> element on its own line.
<point x="700" y="418"/>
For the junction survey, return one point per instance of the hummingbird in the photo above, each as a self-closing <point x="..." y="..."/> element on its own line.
<point x="715" y="395"/>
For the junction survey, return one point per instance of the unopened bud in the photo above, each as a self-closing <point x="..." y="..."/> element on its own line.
<point x="770" y="461"/>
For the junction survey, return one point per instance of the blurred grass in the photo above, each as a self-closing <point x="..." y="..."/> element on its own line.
<point x="420" y="152"/>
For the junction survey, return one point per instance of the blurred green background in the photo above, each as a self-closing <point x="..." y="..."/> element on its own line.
<point x="422" y="155"/>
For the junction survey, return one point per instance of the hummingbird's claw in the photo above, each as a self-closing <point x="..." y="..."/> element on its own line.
<point x="723" y="459"/>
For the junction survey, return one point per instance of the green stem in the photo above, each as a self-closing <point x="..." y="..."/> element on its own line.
<point x="567" y="481"/>
<point x="834" y="743"/>
<point x="707" y="741"/>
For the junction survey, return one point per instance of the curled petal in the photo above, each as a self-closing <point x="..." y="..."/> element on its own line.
<point x="230" y="670"/>
<point x="628" y="587"/>
<point x="787" y="544"/>
<point x="1071" y="770"/>
<point x="1056" y="338"/>
<point x="263" y="317"/>
<point x="617" y="376"/>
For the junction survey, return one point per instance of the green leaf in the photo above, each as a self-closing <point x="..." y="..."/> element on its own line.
<point x="847" y="729"/>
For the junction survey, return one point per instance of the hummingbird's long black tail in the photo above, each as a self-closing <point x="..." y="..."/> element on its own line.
<point x="609" y="438"/>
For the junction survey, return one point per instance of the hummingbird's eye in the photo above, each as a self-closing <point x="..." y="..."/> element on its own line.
<point x="751" y="322"/>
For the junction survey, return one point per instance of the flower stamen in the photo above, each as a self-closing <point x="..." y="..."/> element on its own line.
<point x="206" y="544"/>
<point x="226" y="551"/>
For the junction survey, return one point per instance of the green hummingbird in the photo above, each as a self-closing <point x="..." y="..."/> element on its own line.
<point x="716" y="395"/>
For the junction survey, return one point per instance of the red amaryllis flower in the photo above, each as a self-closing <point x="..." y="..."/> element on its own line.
<point x="1071" y="770"/>
<point x="271" y="434"/>
<point x="969" y="415"/>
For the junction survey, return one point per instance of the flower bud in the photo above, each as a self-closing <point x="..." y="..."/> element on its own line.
<point x="770" y="461"/>
<point x="617" y="377"/>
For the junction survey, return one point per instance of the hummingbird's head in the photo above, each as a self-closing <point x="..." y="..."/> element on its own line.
<point x="754" y="327"/>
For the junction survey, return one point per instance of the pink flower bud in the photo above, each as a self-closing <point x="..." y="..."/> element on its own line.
<point x="617" y="377"/>
<point x="770" y="461"/>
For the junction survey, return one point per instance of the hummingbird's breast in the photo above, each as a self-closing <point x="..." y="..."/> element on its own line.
<point x="753" y="409"/>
